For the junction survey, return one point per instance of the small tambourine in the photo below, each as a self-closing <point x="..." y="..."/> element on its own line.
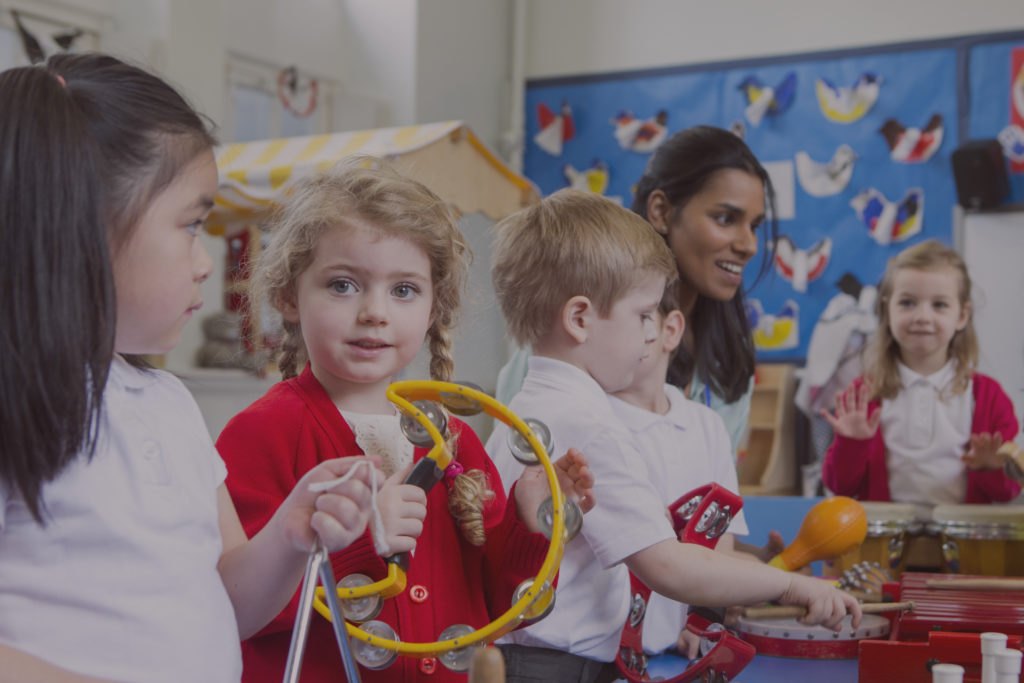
<point x="700" y="516"/>
<point x="357" y="598"/>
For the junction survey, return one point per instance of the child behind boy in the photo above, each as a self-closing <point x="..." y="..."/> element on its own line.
<point x="684" y="445"/>
<point x="579" y="278"/>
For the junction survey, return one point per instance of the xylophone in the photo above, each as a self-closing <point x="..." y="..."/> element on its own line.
<point x="945" y="626"/>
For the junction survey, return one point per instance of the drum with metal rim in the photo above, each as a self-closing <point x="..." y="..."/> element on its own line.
<point x="981" y="539"/>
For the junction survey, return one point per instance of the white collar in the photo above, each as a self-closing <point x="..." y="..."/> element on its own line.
<point x="124" y="376"/>
<point x="940" y="379"/>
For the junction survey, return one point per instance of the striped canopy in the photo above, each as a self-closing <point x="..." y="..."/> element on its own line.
<point x="447" y="157"/>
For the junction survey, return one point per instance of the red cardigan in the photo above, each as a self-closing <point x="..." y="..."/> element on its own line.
<point x="272" y="443"/>
<point x="856" y="467"/>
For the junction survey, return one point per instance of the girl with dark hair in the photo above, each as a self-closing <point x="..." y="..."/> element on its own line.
<point x="708" y="195"/>
<point x="121" y="555"/>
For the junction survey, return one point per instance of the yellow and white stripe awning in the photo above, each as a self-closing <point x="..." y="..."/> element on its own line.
<point x="447" y="157"/>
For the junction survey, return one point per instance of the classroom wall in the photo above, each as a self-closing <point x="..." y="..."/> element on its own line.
<point x="427" y="60"/>
<point x="568" y="37"/>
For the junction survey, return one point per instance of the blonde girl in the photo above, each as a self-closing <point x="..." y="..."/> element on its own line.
<point x="922" y="425"/>
<point x="364" y="266"/>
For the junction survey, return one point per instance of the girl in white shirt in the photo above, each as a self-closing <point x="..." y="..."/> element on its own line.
<point x="922" y="426"/>
<point x="121" y="555"/>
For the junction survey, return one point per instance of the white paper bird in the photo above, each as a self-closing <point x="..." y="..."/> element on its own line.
<point x="829" y="178"/>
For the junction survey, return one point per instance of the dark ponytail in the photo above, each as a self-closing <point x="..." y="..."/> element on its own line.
<point x="57" y="319"/>
<point x="86" y="143"/>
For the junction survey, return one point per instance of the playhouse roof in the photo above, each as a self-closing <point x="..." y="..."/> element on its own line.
<point x="447" y="157"/>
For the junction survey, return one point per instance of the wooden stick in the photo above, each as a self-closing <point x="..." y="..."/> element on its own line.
<point x="784" y="611"/>
<point x="993" y="584"/>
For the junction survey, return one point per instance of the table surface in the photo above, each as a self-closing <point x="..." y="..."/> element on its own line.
<point x="764" y="669"/>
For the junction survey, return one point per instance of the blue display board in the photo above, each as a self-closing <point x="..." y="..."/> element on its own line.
<point x="858" y="145"/>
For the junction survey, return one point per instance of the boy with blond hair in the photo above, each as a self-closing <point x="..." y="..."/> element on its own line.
<point x="579" y="279"/>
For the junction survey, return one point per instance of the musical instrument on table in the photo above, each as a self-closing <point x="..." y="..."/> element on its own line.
<point x="945" y="626"/>
<point x="831" y="528"/>
<point x="787" y="637"/>
<point x="894" y="532"/>
<point x="700" y="516"/>
<point x="969" y="539"/>
<point x="962" y="610"/>
<point x="358" y="598"/>
<point x="980" y="539"/>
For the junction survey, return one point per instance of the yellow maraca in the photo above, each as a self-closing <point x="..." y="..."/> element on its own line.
<point x="831" y="528"/>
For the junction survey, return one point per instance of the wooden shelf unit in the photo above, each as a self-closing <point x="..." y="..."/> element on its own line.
<point x="767" y="464"/>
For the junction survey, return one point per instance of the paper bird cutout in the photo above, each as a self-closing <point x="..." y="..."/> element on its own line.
<point x="848" y="104"/>
<point x="888" y="221"/>
<point x="912" y="145"/>
<point x="767" y="101"/>
<point x="774" y="332"/>
<point x="829" y="178"/>
<point x="593" y="179"/>
<point x="800" y="266"/>
<point x="555" y="129"/>
<point x="640" y="135"/>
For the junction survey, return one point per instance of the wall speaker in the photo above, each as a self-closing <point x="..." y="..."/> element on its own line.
<point x="979" y="171"/>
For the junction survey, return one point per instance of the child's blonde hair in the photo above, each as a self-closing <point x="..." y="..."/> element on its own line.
<point x="374" y="193"/>
<point x="571" y="243"/>
<point x="882" y="354"/>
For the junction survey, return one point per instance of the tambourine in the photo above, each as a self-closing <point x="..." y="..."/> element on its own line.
<point x="700" y="516"/>
<point x="357" y="598"/>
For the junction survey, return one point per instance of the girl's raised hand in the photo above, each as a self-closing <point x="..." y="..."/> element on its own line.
<point x="851" y="419"/>
<point x="982" y="452"/>
<point x="403" y="507"/>
<point x="574" y="477"/>
<point x="339" y="514"/>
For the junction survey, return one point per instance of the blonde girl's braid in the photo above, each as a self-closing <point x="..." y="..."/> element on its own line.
<point x="292" y="354"/>
<point x="469" y="491"/>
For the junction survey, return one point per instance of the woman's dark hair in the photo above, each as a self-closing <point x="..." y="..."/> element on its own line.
<point x="86" y="143"/>
<point x="723" y="355"/>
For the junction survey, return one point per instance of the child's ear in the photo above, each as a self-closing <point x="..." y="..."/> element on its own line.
<point x="658" y="211"/>
<point x="577" y="318"/>
<point x="289" y="308"/>
<point x="965" y="316"/>
<point x="673" y="325"/>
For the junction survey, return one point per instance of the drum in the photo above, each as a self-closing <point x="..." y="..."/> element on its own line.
<point x="790" y="638"/>
<point x="981" y="539"/>
<point x="892" y="529"/>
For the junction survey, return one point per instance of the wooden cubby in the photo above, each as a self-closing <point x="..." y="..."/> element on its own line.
<point x="767" y="464"/>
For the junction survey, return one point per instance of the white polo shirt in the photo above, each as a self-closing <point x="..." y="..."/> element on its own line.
<point x="927" y="429"/>
<point x="685" y="448"/>
<point x="592" y="598"/>
<point x="122" y="582"/>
